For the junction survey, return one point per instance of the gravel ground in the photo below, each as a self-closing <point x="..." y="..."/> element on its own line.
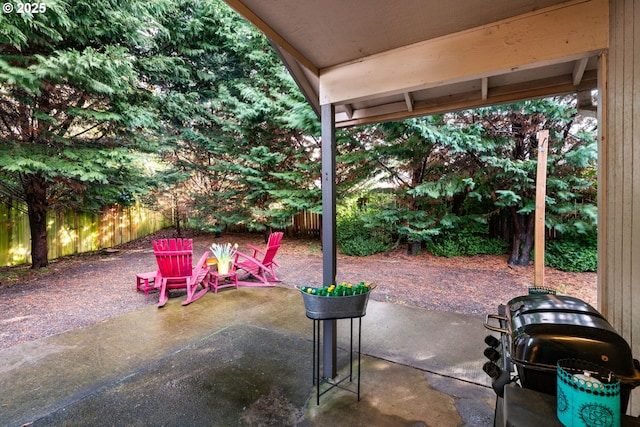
<point x="77" y="291"/>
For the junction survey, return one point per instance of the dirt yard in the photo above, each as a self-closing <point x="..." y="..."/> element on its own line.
<point x="78" y="291"/>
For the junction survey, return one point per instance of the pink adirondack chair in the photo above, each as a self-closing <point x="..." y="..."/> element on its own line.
<point x="175" y="269"/>
<point x="261" y="263"/>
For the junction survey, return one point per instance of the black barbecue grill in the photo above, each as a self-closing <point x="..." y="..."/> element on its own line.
<point x="538" y="330"/>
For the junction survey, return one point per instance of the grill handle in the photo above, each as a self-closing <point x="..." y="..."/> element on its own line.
<point x="500" y="319"/>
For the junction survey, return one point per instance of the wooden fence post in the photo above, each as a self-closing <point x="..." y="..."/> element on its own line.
<point x="541" y="193"/>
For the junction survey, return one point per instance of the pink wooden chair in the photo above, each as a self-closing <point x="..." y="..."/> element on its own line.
<point x="261" y="263"/>
<point x="175" y="269"/>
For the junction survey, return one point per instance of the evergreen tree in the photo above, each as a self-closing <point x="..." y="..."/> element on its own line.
<point x="72" y="112"/>
<point x="512" y="163"/>
<point x="424" y="161"/>
<point x="461" y="170"/>
<point x="232" y="114"/>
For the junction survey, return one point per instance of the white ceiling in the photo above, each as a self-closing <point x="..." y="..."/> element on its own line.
<point x="374" y="59"/>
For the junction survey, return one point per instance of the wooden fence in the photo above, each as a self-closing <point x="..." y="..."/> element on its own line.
<point x="70" y="233"/>
<point x="305" y="224"/>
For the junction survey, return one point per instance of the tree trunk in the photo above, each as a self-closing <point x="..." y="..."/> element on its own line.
<point x="414" y="247"/>
<point x="522" y="243"/>
<point x="35" y="189"/>
<point x="178" y="227"/>
<point x="178" y="217"/>
<point x="529" y="237"/>
<point x="266" y="233"/>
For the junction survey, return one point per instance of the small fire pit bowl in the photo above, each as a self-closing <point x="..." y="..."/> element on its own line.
<point x="335" y="307"/>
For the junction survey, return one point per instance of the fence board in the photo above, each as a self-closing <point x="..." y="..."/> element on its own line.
<point x="71" y="233"/>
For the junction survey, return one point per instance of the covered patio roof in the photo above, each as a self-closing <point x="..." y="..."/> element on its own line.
<point x="367" y="61"/>
<point x="380" y="60"/>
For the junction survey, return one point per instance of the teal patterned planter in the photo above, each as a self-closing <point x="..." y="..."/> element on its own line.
<point x="588" y="395"/>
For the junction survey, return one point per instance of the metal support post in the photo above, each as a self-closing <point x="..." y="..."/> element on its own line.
<point x="329" y="230"/>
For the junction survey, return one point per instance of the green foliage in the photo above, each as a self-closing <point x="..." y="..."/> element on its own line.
<point x="226" y="103"/>
<point x="356" y="236"/>
<point x="465" y="244"/>
<point x="464" y="237"/>
<point x="448" y="170"/>
<point x="70" y="105"/>
<point x="577" y="254"/>
<point x="75" y="114"/>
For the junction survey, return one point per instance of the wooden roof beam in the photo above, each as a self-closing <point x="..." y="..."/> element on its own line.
<point x="578" y="70"/>
<point x="349" y="110"/>
<point x="585" y="103"/>
<point x="408" y="99"/>
<point x="499" y="95"/>
<point x="571" y="30"/>
<point x="485" y="87"/>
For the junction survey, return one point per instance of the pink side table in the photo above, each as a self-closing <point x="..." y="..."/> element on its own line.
<point x="217" y="280"/>
<point x="143" y="281"/>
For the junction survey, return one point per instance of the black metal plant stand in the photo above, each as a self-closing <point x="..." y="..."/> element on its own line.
<point x="317" y="380"/>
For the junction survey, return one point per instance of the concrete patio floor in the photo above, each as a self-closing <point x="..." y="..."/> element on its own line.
<point x="244" y="357"/>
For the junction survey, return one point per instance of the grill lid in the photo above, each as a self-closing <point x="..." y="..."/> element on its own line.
<point x="547" y="328"/>
<point x="549" y="303"/>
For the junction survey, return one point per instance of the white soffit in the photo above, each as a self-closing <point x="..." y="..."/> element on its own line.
<point x="381" y="60"/>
